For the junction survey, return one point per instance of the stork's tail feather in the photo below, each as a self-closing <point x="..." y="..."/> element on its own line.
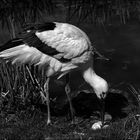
<point x="18" y="52"/>
<point x="9" y="49"/>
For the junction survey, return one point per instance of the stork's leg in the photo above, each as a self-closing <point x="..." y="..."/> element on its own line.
<point x="46" y="89"/>
<point x="68" y="90"/>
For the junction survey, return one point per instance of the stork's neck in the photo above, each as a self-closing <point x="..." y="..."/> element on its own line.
<point x="96" y="82"/>
<point x="90" y="76"/>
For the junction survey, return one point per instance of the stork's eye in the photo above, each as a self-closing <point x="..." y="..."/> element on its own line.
<point x="103" y="95"/>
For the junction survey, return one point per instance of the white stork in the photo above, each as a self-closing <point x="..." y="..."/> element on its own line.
<point x="59" y="48"/>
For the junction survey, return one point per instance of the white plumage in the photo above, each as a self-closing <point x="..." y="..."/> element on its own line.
<point x="60" y="47"/>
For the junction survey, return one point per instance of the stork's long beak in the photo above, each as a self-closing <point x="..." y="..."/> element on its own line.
<point x="102" y="101"/>
<point x="102" y="110"/>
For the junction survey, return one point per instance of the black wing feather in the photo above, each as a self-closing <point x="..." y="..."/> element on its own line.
<point x="33" y="41"/>
<point x="40" y="27"/>
<point x="29" y="37"/>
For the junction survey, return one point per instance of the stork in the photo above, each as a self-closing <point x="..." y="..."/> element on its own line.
<point x="59" y="48"/>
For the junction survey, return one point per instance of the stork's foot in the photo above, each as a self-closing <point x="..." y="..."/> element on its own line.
<point x="49" y="122"/>
<point x="73" y="121"/>
<point x="72" y="116"/>
<point x="49" y="119"/>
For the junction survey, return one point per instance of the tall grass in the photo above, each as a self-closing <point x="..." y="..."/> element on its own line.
<point x="20" y="84"/>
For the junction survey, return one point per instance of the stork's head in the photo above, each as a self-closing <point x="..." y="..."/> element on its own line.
<point x="100" y="87"/>
<point x="98" y="84"/>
